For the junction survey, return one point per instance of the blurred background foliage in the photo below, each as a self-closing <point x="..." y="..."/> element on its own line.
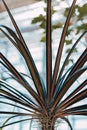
<point x="78" y="23"/>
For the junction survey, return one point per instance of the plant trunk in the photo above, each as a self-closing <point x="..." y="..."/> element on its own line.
<point x="47" y="122"/>
<point x="48" y="125"/>
<point x="48" y="128"/>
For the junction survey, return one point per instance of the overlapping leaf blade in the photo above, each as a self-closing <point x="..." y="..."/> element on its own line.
<point x="47" y="100"/>
<point x="67" y="85"/>
<point x="22" y="81"/>
<point x="68" y="55"/>
<point x="27" y="56"/>
<point x="61" y="45"/>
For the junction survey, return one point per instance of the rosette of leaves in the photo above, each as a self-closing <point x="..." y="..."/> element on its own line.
<point x="43" y="103"/>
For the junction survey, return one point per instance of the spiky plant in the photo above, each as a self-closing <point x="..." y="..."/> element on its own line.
<point x="48" y="103"/>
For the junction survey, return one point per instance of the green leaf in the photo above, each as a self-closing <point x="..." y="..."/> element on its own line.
<point x="43" y="25"/>
<point x="82" y="27"/>
<point x="69" y="60"/>
<point x="58" y="25"/>
<point x="38" y="19"/>
<point x="66" y="12"/>
<point x="74" y="50"/>
<point x="52" y="11"/>
<point x="68" y="42"/>
<point x="82" y="10"/>
<point x="43" y="39"/>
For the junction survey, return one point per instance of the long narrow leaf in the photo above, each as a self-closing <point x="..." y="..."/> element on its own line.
<point x="62" y="114"/>
<point x="16" y="99"/>
<point x="28" y="58"/>
<point x="67" y="121"/>
<point x="16" y="113"/>
<point x="48" y="50"/>
<point x="58" y="88"/>
<point x="26" y="98"/>
<point x="80" y="62"/>
<point x="15" y="25"/>
<point x="17" y="106"/>
<point x="78" y="108"/>
<point x="12" y="41"/>
<point x="17" y="122"/>
<point x="66" y="86"/>
<point x="16" y="95"/>
<point x="60" y="49"/>
<point x="74" y="93"/>
<point x="83" y="113"/>
<point x="9" y="119"/>
<point x="64" y="64"/>
<point x="29" y="61"/>
<point x="11" y="98"/>
<point x="23" y="82"/>
<point x="80" y="96"/>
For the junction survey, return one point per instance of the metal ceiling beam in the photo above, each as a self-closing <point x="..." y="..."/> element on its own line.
<point x="15" y="3"/>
